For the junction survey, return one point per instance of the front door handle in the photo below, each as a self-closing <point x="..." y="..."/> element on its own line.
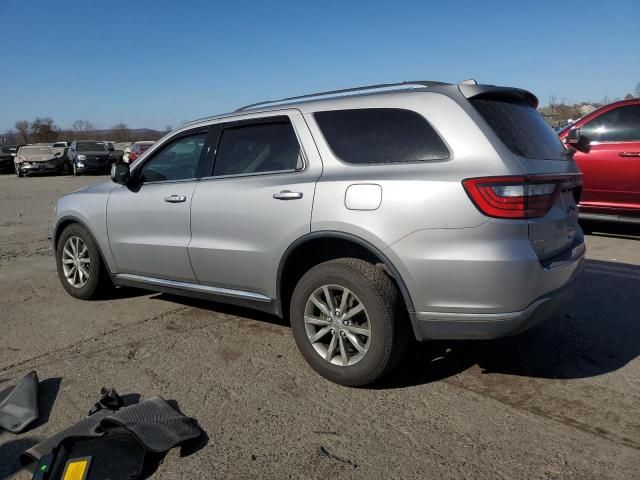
<point x="175" y="199"/>
<point x="629" y="154"/>
<point x="287" y="195"/>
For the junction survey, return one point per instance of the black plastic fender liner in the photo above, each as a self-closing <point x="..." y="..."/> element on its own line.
<point x="87" y="427"/>
<point x="153" y="423"/>
<point x="19" y="405"/>
<point x="116" y="455"/>
<point x="156" y="425"/>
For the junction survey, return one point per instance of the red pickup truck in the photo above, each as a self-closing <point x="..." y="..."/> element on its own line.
<point x="611" y="166"/>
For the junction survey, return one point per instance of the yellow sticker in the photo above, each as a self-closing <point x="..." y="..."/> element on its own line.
<point x="76" y="469"/>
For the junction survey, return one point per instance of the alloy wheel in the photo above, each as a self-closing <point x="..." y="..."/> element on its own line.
<point x="337" y="325"/>
<point x="76" y="263"/>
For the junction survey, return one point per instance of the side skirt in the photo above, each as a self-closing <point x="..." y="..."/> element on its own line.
<point x="240" y="298"/>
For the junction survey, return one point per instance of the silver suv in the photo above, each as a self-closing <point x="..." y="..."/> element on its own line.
<point x="365" y="216"/>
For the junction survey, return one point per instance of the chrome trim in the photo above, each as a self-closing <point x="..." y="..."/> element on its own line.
<point x="225" y="292"/>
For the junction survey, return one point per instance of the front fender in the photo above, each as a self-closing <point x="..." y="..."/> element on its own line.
<point x="88" y="208"/>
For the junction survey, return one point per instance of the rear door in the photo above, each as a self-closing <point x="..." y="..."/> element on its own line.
<point x="612" y="168"/>
<point x="149" y="221"/>
<point x="256" y="201"/>
<point x="543" y="158"/>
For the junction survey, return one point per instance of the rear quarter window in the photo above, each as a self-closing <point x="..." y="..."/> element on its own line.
<point x="521" y="128"/>
<point x="380" y="135"/>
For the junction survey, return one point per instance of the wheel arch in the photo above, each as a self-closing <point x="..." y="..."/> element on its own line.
<point x="63" y="223"/>
<point x="332" y="240"/>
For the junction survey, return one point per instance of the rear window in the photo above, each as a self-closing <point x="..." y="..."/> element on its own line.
<point x="521" y="128"/>
<point x="380" y="135"/>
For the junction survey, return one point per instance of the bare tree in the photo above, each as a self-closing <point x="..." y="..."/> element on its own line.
<point x="628" y="96"/>
<point x="120" y="133"/>
<point x="44" y="130"/>
<point x="22" y="127"/>
<point x="636" y="90"/>
<point x="83" y="129"/>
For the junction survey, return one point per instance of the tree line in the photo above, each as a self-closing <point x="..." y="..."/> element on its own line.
<point x="558" y="111"/>
<point x="45" y="130"/>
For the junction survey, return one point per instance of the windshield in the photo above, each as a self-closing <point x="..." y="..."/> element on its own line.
<point x="521" y="128"/>
<point x="144" y="146"/>
<point x="91" y="147"/>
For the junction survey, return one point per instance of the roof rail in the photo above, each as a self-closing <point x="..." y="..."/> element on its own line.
<point x="422" y="83"/>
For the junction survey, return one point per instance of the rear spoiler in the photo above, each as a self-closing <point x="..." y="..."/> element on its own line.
<point x="491" y="91"/>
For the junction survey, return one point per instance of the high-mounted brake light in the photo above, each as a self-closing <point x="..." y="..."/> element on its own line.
<point x="514" y="197"/>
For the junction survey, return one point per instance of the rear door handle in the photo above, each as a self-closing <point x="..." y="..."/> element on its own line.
<point x="629" y="154"/>
<point x="287" y="195"/>
<point x="175" y="199"/>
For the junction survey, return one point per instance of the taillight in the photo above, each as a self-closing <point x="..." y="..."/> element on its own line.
<point x="513" y="197"/>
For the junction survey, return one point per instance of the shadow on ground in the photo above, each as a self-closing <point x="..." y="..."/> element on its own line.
<point x="627" y="231"/>
<point x="10" y="452"/>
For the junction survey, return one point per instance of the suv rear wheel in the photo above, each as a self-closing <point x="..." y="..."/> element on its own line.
<point x="80" y="267"/>
<point x="346" y="321"/>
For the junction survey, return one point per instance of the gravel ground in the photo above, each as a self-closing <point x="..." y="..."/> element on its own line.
<point x="559" y="401"/>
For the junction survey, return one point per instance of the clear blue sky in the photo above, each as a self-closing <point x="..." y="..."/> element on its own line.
<point x="157" y="63"/>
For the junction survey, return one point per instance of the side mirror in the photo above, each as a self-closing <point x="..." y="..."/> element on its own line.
<point x="120" y="173"/>
<point x="580" y="142"/>
<point x="58" y="154"/>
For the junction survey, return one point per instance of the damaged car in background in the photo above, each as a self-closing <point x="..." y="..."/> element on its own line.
<point x="39" y="159"/>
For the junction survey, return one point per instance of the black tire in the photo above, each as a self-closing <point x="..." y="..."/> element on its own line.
<point x="99" y="284"/>
<point x="384" y="307"/>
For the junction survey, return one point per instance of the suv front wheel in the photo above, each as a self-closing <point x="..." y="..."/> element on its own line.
<point x="80" y="267"/>
<point x="346" y="318"/>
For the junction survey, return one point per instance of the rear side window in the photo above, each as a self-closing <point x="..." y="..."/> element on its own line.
<point x="617" y="125"/>
<point x="380" y="135"/>
<point x="521" y="128"/>
<point x="257" y="148"/>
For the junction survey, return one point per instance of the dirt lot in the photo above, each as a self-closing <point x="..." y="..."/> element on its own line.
<point x="559" y="401"/>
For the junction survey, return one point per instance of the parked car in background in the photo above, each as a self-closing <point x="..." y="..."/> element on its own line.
<point x="430" y="210"/>
<point x="608" y="143"/>
<point x="138" y="149"/>
<point x="120" y="150"/>
<point x="38" y="159"/>
<point x="88" y="156"/>
<point x="61" y="144"/>
<point x="7" y="156"/>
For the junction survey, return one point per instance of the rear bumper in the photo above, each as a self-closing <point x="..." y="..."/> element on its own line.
<point x="485" y="326"/>
<point x="482" y="282"/>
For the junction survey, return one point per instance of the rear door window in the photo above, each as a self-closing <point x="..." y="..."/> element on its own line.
<point x="258" y="148"/>
<point x="380" y="135"/>
<point x="618" y="125"/>
<point x="521" y="128"/>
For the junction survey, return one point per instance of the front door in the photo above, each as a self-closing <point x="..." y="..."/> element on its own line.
<point x="612" y="168"/>
<point x="148" y="223"/>
<point x="256" y="202"/>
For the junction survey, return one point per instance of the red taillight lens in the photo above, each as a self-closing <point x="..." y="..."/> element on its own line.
<point x="513" y="197"/>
